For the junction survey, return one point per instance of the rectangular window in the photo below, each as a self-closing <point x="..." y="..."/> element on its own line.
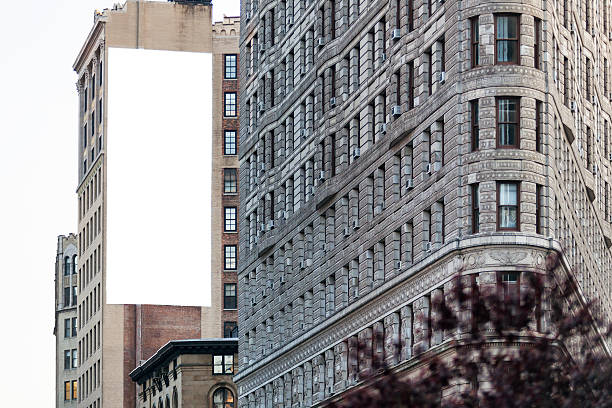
<point x="536" y="42"/>
<point x="538" y="125"/>
<point x="507" y="206"/>
<point x="67" y="391"/>
<point x="230" y="219"/>
<point x="507" y="122"/>
<point x="475" y="208"/>
<point x="510" y="285"/>
<point x="411" y="85"/>
<point x="229" y="143"/>
<point x="230" y="181"/>
<point x="231" y="66"/>
<point x="223" y="365"/>
<point x="230" y="257"/>
<point x="538" y="209"/>
<point x="230" y="330"/>
<point x="74" y="327"/>
<point x="75" y="390"/>
<point x="67" y="328"/>
<point x="410" y="15"/>
<point x="67" y="359"/>
<point x="229" y="296"/>
<point x="507" y="39"/>
<point x="75" y="360"/>
<point x="66" y="297"/>
<point x="475" y="25"/>
<point x="587" y="78"/>
<point x="475" y="119"/>
<point x="430" y="68"/>
<point x="74" y="295"/>
<point x="230" y="109"/>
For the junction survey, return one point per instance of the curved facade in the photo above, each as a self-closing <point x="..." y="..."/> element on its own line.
<point x="386" y="145"/>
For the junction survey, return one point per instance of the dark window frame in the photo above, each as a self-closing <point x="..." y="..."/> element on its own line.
<point x="538" y="126"/>
<point x="475" y="124"/>
<point x="230" y="110"/>
<point x="475" y="41"/>
<point x="232" y="67"/>
<point x="538" y="204"/>
<point x="518" y="206"/>
<point x="517" y="60"/>
<point x="225" y="257"/>
<point x="230" y="330"/>
<point x="230" y="300"/>
<point x="226" y="219"/>
<point x="475" y="189"/>
<point x="517" y="132"/>
<point x="537" y="27"/>
<point x="230" y="181"/>
<point x="230" y="146"/>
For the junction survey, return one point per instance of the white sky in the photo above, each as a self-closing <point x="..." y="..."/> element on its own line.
<point x="39" y="40"/>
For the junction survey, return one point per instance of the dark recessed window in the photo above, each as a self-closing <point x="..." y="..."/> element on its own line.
<point x="67" y="391"/>
<point x="229" y="143"/>
<point x="538" y="120"/>
<point x="508" y="122"/>
<point x="230" y="181"/>
<point x="475" y="208"/>
<point x="75" y="360"/>
<point x="230" y="109"/>
<point x="231" y="66"/>
<point x="67" y="359"/>
<point x="507" y="206"/>
<point x="230" y="218"/>
<point x="75" y="391"/>
<point x="67" y="328"/>
<point x="475" y="119"/>
<point x="230" y="256"/>
<point x="507" y="39"/>
<point x="475" y="41"/>
<point x="74" y="327"/>
<point x="230" y="330"/>
<point x="229" y="296"/>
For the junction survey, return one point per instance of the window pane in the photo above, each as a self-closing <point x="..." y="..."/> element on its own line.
<point x="74" y="390"/>
<point x="507" y="194"/>
<point x="230" y="219"/>
<point x="507" y="217"/>
<point x="67" y="391"/>
<point x="218" y="364"/>
<point x="230" y="181"/>
<point x="229" y="364"/>
<point x="506" y="27"/>
<point x="229" y="147"/>
<point x="506" y="134"/>
<point x="74" y="358"/>
<point x="507" y="110"/>
<point x="230" y="257"/>
<point x="67" y="328"/>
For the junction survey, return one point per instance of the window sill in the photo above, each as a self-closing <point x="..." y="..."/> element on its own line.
<point x="230" y="310"/>
<point x="230" y="232"/>
<point x="230" y="194"/>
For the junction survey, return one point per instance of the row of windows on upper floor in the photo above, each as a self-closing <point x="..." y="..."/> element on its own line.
<point x="70" y="264"/>
<point x="90" y="193"/>
<point x="89" y="381"/>
<point x="361" y="62"/>
<point x="71" y="390"/>
<point x="90" y="230"/>
<point x="89" y="343"/>
<point x="337" y="151"/>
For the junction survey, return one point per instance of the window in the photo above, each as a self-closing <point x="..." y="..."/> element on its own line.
<point x="230" y="181"/>
<point x="230" y="219"/>
<point x="411" y="85"/>
<point x="74" y="327"/>
<point x="67" y="328"/>
<point x="510" y="285"/>
<point x="75" y="360"/>
<point x="66" y="359"/>
<point x="538" y="120"/>
<point x="508" y="122"/>
<point x="475" y="208"/>
<point x="507" y="206"/>
<point x="230" y="104"/>
<point x="475" y="41"/>
<point x="229" y="143"/>
<point x="223" y="398"/>
<point x="538" y="208"/>
<point x="230" y="330"/>
<point x="229" y="256"/>
<point x="66" y="297"/>
<point x="506" y="39"/>
<point x="74" y="295"/>
<point x="536" y="42"/>
<point x="231" y="66"/>
<point x="229" y="296"/>
<point x="223" y="364"/>
<point x="475" y="119"/>
<point x="75" y="393"/>
<point x="74" y="265"/>
<point x="66" y="266"/>
<point x="67" y="391"/>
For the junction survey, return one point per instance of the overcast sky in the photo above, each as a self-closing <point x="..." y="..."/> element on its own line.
<point x="39" y="40"/>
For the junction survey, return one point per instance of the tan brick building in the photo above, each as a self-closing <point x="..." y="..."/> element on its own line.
<point x="114" y="339"/>
<point x="387" y="145"/>
<point x="189" y="373"/>
<point x="65" y="328"/>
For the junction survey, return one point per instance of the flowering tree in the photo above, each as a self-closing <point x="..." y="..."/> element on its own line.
<point x="500" y="354"/>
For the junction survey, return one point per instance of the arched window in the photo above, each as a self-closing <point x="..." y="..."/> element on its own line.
<point x="67" y="266"/>
<point x="223" y="398"/>
<point x="74" y="265"/>
<point x="175" y="399"/>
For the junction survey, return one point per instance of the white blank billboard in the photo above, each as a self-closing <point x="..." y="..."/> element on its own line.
<point x="159" y="172"/>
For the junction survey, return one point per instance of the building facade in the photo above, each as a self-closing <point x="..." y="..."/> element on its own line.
<point x="388" y="145"/>
<point x="114" y="339"/>
<point x="189" y="373"/>
<point x="65" y="328"/>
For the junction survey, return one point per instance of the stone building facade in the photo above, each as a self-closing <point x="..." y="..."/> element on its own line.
<point x="388" y="145"/>
<point x="65" y="327"/>
<point x="189" y="373"/>
<point x="114" y="339"/>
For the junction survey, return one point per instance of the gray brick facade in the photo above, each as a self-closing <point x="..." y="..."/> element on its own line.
<point x="376" y="162"/>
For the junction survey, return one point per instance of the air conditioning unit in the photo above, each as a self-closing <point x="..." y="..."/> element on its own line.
<point x="309" y="190"/>
<point x="303" y="133"/>
<point x="308" y="262"/>
<point x="255" y="180"/>
<point x="323" y="247"/>
<point x="320" y="41"/>
<point x="247" y="15"/>
<point x="396" y="34"/>
<point x="593" y="100"/>
<point x="594" y="169"/>
<point x="397" y="264"/>
<point x="290" y="21"/>
<point x="262" y="166"/>
<point x="356" y="152"/>
<point x="253" y="301"/>
<point x="409" y="184"/>
<point x="270" y="225"/>
<point x="356" y="224"/>
<point x="396" y="110"/>
<point x="346" y="231"/>
<point x="261" y="106"/>
<point x="572" y="28"/>
<point x="383" y="128"/>
<point x="429" y="168"/>
<point x="573" y="106"/>
<point x="332" y="102"/>
<point x="383" y="57"/>
<point x="268" y="75"/>
<point x="286" y="215"/>
<point x="442" y="77"/>
<point x="427" y="246"/>
<point x="262" y="227"/>
<point x="322" y="175"/>
<point x="302" y="265"/>
<point x="283" y="279"/>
